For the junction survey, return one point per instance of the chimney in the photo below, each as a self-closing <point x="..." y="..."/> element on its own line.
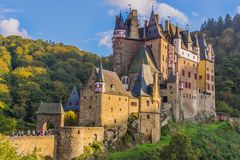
<point x="134" y="13"/>
<point x="157" y="18"/>
<point x="209" y="51"/>
<point x="146" y="23"/>
<point x="167" y="25"/>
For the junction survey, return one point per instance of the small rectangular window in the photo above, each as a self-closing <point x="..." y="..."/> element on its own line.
<point x="208" y="77"/>
<point x="148" y="103"/>
<point x="164" y="99"/>
<point x="134" y="104"/>
<point x="183" y="73"/>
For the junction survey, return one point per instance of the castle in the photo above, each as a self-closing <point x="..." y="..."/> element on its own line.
<point x="160" y="72"/>
<point x="183" y="62"/>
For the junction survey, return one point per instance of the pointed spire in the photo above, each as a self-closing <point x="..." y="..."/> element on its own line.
<point x="73" y="101"/>
<point x="152" y="20"/>
<point x="155" y="94"/>
<point x="100" y="77"/>
<point x="119" y="24"/>
<point x="152" y="11"/>
<point x="177" y="34"/>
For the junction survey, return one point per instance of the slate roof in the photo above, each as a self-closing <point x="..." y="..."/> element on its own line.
<point x="113" y="84"/>
<point x="50" y="108"/>
<point x="119" y="22"/>
<point x="196" y="42"/>
<point x="144" y="56"/>
<point x="100" y="76"/>
<point x="73" y="101"/>
<point x="203" y="48"/>
<point x="142" y="85"/>
<point x="171" y="77"/>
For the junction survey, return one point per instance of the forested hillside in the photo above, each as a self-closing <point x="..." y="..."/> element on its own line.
<point x="224" y="34"/>
<point x="34" y="71"/>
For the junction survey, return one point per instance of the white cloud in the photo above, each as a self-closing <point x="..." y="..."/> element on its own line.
<point x="238" y="9"/>
<point x="105" y="38"/>
<point x="144" y="8"/>
<point x="165" y="10"/>
<point x="112" y="13"/>
<point x="195" y="14"/>
<point x="11" y="27"/>
<point x="4" y="11"/>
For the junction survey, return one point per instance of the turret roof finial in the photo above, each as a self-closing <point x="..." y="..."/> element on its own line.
<point x="152" y="10"/>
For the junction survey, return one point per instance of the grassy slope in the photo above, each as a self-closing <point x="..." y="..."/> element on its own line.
<point x="215" y="141"/>
<point x="141" y="151"/>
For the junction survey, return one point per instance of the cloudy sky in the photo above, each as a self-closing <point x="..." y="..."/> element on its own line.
<point x="88" y="24"/>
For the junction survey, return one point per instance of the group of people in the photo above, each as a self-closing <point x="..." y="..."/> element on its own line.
<point x="32" y="133"/>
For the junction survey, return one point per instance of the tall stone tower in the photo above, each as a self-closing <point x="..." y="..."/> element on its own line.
<point x="206" y="70"/>
<point x="126" y="42"/>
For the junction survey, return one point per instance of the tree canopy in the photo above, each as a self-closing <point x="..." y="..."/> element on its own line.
<point x="32" y="71"/>
<point x="224" y="34"/>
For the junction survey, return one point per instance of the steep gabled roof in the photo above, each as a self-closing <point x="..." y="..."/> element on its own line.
<point x="153" y="20"/>
<point x="119" y="24"/>
<point x="73" y="101"/>
<point x="50" y="108"/>
<point x="203" y="48"/>
<point x="144" y="56"/>
<point x="142" y="86"/>
<point x="113" y="84"/>
<point x="196" y="42"/>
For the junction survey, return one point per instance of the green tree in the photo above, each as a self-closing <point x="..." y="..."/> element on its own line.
<point x="7" y="152"/>
<point x="70" y="119"/>
<point x="180" y="148"/>
<point x="228" y="21"/>
<point x="7" y="124"/>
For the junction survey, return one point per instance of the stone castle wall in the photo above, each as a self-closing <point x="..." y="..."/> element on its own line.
<point x="206" y="104"/>
<point x="114" y="113"/>
<point x="90" y="102"/>
<point x="71" y="140"/>
<point x="27" y="144"/>
<point x="124" y="51"/>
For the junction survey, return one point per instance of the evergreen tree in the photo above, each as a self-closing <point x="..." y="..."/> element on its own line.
<point x="228" y="21"/>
